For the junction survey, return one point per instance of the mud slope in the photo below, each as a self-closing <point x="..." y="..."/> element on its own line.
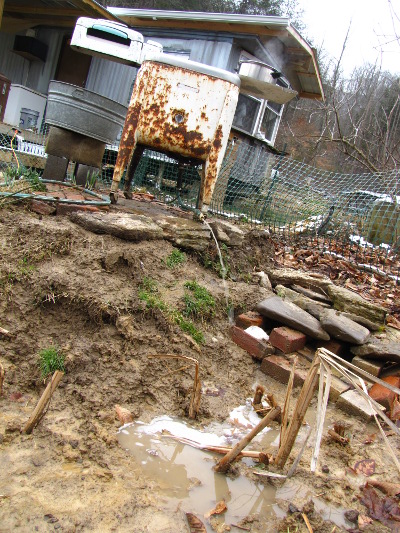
<point x="62" y="285"/>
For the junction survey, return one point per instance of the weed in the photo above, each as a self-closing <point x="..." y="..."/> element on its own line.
<point x="175" y="258"/>
<point x="198" y="302"/>
<point x="148" y="292"/>
<point x="188" y="327"/>
<point x="50" y="360"/>
<point x="25" y="267"/>
<point x="91" y="178"/>
<point x="28" y="175"/>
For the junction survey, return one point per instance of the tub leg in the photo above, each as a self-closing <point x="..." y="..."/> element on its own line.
<point x="130" y="171"/>
<point x="126" y="149"/>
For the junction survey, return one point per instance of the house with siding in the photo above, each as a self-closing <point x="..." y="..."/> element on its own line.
<point x="35" y="48"/>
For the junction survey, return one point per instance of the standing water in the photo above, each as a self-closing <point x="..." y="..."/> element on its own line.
<point x="231" y="317"/>
<point x="183" y="477"/>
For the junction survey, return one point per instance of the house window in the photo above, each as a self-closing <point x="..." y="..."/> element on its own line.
<point x="246" y="114"/>
<point x="270" y="120"/>
<point x="271" y="116"/>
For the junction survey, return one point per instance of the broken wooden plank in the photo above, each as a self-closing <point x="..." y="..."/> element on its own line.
<point x="38" y="412"/>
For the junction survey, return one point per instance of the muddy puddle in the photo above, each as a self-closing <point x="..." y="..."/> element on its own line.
<point x="183" y="478"/>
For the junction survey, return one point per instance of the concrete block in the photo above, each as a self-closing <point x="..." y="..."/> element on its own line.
<point x="55" y="168"/>
<point x="251" y="318"/>
<point x="85" y="174"/>
<point x="338" y="387"/>
<point x="287" y="340"/>
<point x="258" y="349"/>
<point x="75" y="147"/>
<point x="352" y="403"/>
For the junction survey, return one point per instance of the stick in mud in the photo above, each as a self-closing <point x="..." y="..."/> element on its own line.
<point x="5" y="332"/>
<point x="196" y="395"/>
<point x="299" y="412"/>
<point x="224" y="463"/>
<point x="43" y="402"/>
<point x="2" y="375"/>
<point x="258" y="395"/>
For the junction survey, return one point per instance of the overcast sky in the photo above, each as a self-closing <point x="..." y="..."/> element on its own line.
<point x="372" y="27"/>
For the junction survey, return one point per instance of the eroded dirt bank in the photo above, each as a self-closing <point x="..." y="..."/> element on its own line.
<point x="62" y="285"/>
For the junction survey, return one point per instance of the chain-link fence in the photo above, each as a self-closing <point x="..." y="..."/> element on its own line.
<point x="353" y="216"/>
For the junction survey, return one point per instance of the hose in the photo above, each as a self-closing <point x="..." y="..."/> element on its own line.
<point x="103" y="200"/>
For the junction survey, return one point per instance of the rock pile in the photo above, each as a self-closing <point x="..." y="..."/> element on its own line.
<point x="303" y="312"/>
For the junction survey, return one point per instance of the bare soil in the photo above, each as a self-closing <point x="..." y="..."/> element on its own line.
<point x="61" y="285"/>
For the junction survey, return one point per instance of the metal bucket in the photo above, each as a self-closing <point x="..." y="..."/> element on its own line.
<point x="76" y="109"/>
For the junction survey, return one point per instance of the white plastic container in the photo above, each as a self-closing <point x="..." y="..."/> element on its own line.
<point x="107" y="39"/>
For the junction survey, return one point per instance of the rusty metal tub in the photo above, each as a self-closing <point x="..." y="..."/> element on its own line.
<point x="182" y="108"/>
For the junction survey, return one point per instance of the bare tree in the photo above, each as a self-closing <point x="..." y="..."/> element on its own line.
<point x="358" y="124"/>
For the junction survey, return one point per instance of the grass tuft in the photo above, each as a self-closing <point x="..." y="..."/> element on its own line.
<point x="198" y="302"/>
<point x="50" y="360"/>
<point x="148" y="293"/>
<point x="175" y="258"/>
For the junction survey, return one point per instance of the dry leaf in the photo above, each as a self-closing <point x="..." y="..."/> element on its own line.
<point x="218" y="509"/>
<point x="195" y="525"/>
<point x="124" y="416"/>
<point x="363" y="521"/>
<point x="391" y="489"/>
<point x="366" y="467"/>
<point x="370" y="438"/>
<point x="382" y="508"/>
<point x="395" y="410"/>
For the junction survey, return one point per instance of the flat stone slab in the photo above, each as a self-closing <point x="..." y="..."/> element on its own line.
<point x="304" y="302"/>
<point x="127" y="226"/>
<point x="376" y="349"/>
<point x="291" y="315"/>
<point x="342" y="328"/>
<point x="289" y="276"/>
<point x="227" y="233"/>
<point x="351" y="302"/>
<point x="185" y="233"/>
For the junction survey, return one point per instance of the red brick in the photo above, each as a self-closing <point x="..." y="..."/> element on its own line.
<point x="287" y="340"/>
<point x="258" y="349"/>
<point x="279" y="368"/>
<point x="66" y="209"/>
<point x="333" y="346"/>
<point x="251" y="318"/>
<point x="383" y="395"/>
<point x="42" y="208"/>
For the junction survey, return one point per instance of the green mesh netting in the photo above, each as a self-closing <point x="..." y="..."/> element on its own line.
<point x="353" y="216"/>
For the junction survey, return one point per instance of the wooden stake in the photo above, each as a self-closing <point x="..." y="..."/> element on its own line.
<point x="286" y="405"/>
<point x="5" y="332"/>
<point x="224" y="463"/>
<point x="258" y="395"/>
<point x="302" y="404"/>
<point x="196" y="395"/>
<point x="2" y="374"/>
<point x="43" y="402"/>
<point x="306" y="520"/>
